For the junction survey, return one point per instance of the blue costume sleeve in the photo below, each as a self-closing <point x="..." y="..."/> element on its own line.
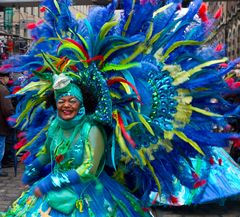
<point x="59" y="180"/>
<point x="34" y="170"/>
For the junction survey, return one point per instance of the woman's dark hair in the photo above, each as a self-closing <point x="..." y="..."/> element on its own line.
<point x="89" y="100"/>
<point x="51" y="100"/>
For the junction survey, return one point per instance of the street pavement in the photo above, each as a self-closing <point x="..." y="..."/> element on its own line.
<point x="11" y="187"/>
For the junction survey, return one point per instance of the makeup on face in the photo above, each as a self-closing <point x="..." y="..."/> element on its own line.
<point x="68" y="107"/>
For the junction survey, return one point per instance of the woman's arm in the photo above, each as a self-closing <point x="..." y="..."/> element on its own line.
<point x="34" y="169"/>
<point x="94" y="149"/>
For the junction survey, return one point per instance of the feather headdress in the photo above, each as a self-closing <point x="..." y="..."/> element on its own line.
<point x="147" y="73"/>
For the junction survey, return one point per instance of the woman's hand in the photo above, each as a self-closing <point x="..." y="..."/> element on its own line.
<point x="37" y="192"/>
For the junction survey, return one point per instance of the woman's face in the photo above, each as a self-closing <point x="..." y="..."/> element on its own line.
<point x="68" y="107"/>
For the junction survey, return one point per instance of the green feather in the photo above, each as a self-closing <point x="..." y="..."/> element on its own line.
<point x="184" y="76"/>
<point x="116" y="67"/>
<point x="180" y="43"/>
<point x="116" y="48"/>
<point x="138" y="51"/>
<point x="83" y="41"/>
<point x="79" y="37"/>
<point x="106" y="28"/>
<point x="31" y="103"/>
<point x="49" y="63"/>
<point x="155" y="38"/>
<point x="149" y="33"/>
<point x="33" y="86"/>
<point x="57" y="6"/>
<point x="129" y="19"/>
<point x="71" y="47"/>
<point x="73" y="75"/>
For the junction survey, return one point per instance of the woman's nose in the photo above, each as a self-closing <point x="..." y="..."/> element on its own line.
<point x="66" y="104"/>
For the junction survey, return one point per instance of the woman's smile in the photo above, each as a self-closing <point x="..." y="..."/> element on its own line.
<point x="67" y="112"/>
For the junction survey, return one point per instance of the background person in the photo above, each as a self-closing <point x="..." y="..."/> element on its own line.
<point x="6" y="109"/>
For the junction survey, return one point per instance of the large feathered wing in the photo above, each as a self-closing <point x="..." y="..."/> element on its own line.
<point x="154" y="80"/>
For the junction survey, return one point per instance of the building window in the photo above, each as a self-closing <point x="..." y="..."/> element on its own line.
<point x="38" y="12"/>
<point x="25" y="33"/>
<point x="21" y="10"/>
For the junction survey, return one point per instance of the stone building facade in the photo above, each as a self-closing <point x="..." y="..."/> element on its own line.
<point x="228" y="26"/>
<point x="14" y="36"/>
<point x="24" y="15"/>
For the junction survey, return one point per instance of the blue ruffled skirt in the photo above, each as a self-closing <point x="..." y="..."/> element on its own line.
<point x="104" y="198"/>
<point x="217" y="178"/>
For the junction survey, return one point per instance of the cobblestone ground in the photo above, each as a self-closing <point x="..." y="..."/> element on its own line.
<point x="11" y="188"/>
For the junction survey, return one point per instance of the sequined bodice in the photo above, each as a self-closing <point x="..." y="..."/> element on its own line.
<point x="71" y="155"/>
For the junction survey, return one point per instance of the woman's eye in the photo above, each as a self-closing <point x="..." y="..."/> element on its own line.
<point x="73" y="101"/>
<point x="60" y="101"/>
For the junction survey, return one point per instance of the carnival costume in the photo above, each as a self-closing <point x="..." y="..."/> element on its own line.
<point x="154" y="88"/>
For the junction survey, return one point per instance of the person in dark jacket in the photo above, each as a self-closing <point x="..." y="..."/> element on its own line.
<point x="6" y="109"/>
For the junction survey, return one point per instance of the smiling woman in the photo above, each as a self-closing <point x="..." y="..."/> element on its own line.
<point x="75" y="148"/>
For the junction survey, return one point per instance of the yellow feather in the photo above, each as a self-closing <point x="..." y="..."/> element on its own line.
<point x="155" y="38"/>
<point x="138" y="51"/>
<point x="53" y="57"/>
<point x="28" y="107"/>
<point x="71" y="74"/>
<point x="106" y="28"/>
<point x="182" y="136"/>
<point x="83" y="41"/>
<point x="130" y="126"/>
<point x="40" y="40"/>
<point x="32" y="140"/>
<point x="116" y="48"/>
<point x="149" y="33"/>
<point x="121" y="141"/>
<point x="182" y="116"/>
<point x="42" y="151"/>
<point x="160" y="10"/>
<point x="204" y="112"/>
<point x="43" y="90"/>
<point x="33" y="86"/>
<point x="178" y="44"/>
<point x="154" y="176"/>
<point x="80" y="16"/>
<point x="146" y="124"/>
<point x="114" y="95"/>
<point x="125" y="28"/>
<point x="184" y="76"/>
<point x="126" y="88"/>
<point x="119" y="137"/>
<point x="143" y="158"/>
<point x="168" y="135"/>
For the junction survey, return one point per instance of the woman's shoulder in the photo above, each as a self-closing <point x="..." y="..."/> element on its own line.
<point x="92" y="126"/>
<point x="91" y="123"/>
